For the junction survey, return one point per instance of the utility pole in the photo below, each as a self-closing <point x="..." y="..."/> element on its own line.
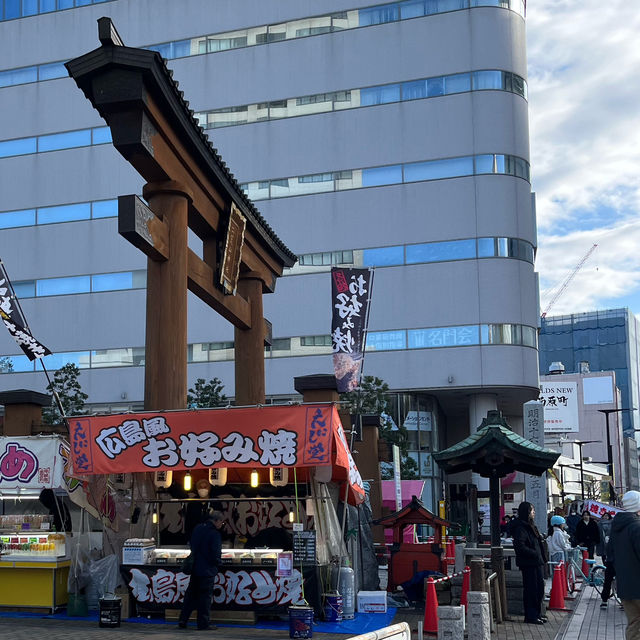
<point x="610" y="467"/>
<point x="581" y="444"/>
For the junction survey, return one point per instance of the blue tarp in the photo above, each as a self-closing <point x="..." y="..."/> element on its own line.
<point x="362" y="623"/>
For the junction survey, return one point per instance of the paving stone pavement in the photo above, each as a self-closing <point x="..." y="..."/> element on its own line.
<point x="586" y="621"/>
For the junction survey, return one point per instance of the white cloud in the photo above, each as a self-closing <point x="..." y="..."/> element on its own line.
<point x="584" y="95"/>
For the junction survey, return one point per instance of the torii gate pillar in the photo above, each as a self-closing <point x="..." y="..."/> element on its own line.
<point x="188" y="187"/>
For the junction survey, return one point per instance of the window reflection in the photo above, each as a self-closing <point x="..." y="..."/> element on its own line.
<point x="64" y="213"/>
<point x="63" y="286"/>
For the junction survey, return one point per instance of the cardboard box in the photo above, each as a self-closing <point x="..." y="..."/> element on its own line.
<point x="372" y="601"/>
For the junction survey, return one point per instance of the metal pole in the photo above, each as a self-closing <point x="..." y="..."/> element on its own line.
<point x="609" y="451"/>
<point x="581" y="473"/>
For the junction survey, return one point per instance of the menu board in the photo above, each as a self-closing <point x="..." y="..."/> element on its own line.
<point x="304" y="547"/>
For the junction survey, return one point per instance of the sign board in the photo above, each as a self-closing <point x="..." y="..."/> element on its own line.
<point x="396" y="476"/>
<point x="304" y="547"/>
<point x="284" y="564"/>
<point x="32" y="462"/>
<point x="597" y="390"/>
<point x="418" y="420"/>
<point x="232" y="255"/>
<point x="535" y="487"/>
<point x="560" y="401"/>
<point x="598" y="509"/>
<point x="426" y="464"/>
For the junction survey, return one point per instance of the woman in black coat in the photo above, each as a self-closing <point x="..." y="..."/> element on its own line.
<point x="587" y="533"/>
<point x="530" y="558"/>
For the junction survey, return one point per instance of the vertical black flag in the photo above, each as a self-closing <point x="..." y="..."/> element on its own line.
<point x="350" y="295"/>
<point x="15" y="322"/>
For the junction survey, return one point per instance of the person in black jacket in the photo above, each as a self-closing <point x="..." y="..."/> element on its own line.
<point x="206" y="547"/>
<point x="623" y="550"/>
<point x="530" y="554"/>
<point x="587" y="533"/>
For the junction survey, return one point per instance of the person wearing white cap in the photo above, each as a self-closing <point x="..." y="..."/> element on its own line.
<point x="623" y="550"/>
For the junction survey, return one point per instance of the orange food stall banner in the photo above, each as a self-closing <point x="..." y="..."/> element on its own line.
<point x="299" y="436"/>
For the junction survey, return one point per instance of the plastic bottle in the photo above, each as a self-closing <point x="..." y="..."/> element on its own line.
<point x="347" y="589"/>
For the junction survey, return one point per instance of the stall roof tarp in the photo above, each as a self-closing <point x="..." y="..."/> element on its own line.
<point x="293" y="436"/>
<point x="32" y="462"/>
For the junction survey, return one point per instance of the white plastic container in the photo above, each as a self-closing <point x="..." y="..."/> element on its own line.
<point x="372" y="601"/>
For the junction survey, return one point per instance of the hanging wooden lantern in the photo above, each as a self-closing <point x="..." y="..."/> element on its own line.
<point x="218" y="476"/>
<point x="163" y="479"/>
<point x="279" y="476"/>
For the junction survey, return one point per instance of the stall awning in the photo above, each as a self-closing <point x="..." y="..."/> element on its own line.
<point x="301" y="436"/>
<point x="31" y="463"/>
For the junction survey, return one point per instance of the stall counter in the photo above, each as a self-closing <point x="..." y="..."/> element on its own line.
<point x="248" y="586"/>
<point x="33" y="582"/>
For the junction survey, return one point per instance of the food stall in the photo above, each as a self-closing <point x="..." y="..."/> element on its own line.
<point x="34" y="557"/>
<point x="265" y="468"/>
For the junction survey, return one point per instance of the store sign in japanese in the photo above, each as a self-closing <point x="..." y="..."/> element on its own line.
<point x="233" y="588"/>
<point x="350" y="295"/>
<point x="598" y="509"/>
<point x="31" y="462"/>
<point x="560" y="401"/>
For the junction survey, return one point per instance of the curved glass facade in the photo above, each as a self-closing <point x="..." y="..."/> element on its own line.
<point x="398" y="339"/>
<point x="460" y="167"/>
<point x="490" y="79"/>
<point x="264" y="34"/>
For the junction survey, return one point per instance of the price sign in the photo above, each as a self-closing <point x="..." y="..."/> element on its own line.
<point x="304" y="547"/>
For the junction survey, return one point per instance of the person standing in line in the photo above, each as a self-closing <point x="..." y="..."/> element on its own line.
<point x="206" y="547"/>
<point x="587" y="533"/>
<point x="530" y="554"/>
<point x="558" y="542"/>
<point x="572" y="522"/>
<point x="623" y="550"/>
<point x="604" y="526"/>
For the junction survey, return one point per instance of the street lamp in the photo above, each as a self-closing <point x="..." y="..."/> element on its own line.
<point x="581" y="444"/>
<point x="610" y="470"/>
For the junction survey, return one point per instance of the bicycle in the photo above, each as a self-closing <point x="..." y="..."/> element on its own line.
<point x="595" y="577"/>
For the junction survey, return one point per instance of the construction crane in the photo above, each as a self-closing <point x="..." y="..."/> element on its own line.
<point x="568" y="279"/>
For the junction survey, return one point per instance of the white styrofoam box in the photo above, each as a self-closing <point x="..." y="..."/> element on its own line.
<point x="136" y="555"/>
<point x="372" y="601"/>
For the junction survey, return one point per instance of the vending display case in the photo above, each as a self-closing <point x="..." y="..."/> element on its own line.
<point x="32" y="545"/>
<point x="34" y="567"/>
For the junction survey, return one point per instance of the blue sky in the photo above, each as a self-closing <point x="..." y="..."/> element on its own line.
<point x="584" y="99"/>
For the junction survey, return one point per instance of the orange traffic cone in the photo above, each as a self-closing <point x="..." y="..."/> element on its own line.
<point x="557" y="593"/>
<point x="585" y="566"/>
<point x="451" y="549"/>
<point x="431" y="608"/>
<point x="565" y="588"/>
<point x="466" y="582"/>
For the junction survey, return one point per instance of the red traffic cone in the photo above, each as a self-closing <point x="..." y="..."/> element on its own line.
<point x="585" y="566"/>
<point x="431" y="608"/>
<point x="557" y="593"/>
<point x="466" y="583"/>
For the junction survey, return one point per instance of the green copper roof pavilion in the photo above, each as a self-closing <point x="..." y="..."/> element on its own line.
<point x="495" y="450"/>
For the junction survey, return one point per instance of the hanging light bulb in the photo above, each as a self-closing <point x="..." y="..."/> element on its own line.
<point x="255" y="479"/>
<point x="187" y="482"/>
<point x="154" y="517"/>
<point x="292" y="516"/>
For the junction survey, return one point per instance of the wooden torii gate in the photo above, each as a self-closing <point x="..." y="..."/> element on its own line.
<point x="188" y="187"/>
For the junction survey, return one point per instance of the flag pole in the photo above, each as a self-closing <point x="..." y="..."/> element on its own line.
<point x="44" y="369"/>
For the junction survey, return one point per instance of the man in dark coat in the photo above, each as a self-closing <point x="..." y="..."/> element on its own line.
<point x="206" y="547"/>
<point x="623" y="550"/>
<point x="587" y="533"/>
<point x="530" y="554"/>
